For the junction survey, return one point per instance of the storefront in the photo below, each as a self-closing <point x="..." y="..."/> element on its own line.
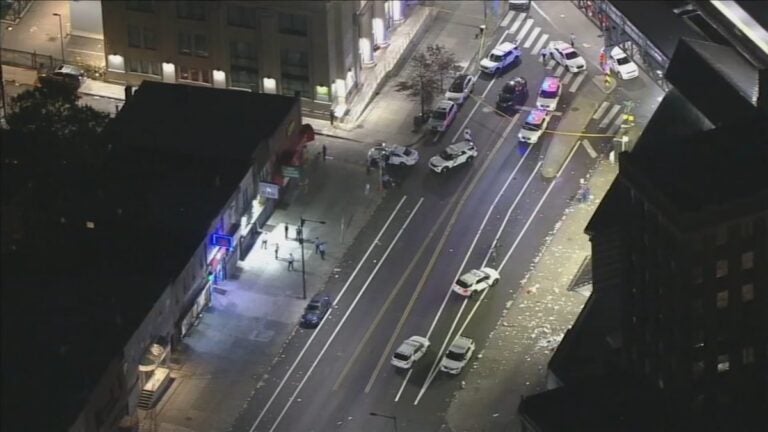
<point x="154" y="375"/>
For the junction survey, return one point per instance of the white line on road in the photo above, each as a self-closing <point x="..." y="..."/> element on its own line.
<point x="471" y="113"/>
<point x="607" y="118"/>
<point x="600" y="111"/>
<point x="316" y="332"/>
<point x="517" y="23"/>
<point x="568" y="77"/>
<point x="550" y="64"/>
<point x="346" y="315"/>
<point x="507" y="18"/>
<point x="532" y="37"/>
<point x="541" y="12"/>
<point x="616" y="124"/>
<point x="537" y="49"/>
<point x="578" y="81"/>
<point x="528" y="24"/>
<point x="559" y="70"/>
<point x="588" y="147"/>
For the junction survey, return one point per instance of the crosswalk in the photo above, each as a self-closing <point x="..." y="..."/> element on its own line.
<point x="610" y="119"/>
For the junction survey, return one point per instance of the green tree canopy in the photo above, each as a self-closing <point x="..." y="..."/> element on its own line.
<point x="427" y="73"/>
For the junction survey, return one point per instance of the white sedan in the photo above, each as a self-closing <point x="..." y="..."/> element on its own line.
<point x="476" y="281"/>
<point x="411" y="350"/>
<point x="460" y="88"/>
<point x="458" y="355"/>
<point x="393" y="155"/>
<point x="622" y="65"/>
<point x="564" y="54"/>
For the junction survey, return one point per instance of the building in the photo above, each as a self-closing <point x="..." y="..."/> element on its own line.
<point x="675" y="334"/>
<point x="315" y="49"/>
<point x="105" y="280"/>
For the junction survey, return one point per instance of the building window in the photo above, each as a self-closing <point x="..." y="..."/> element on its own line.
<point x="241" y="16"/>
<point x="748" y="355"/>
<point x="193" y="43"/>
<point x="722" y="299"/>
<point x="697" y="275"/>
<point x="292" y="84"/>
<point x="243" y="77"/>
<point x="243" y="50"/>
<point x="134" y="36"/>
<point x="747" y="293"/>
<point x="194" y="74"/>
<point x="150" y="41"/>
<point x="747" y="260"/>
<point x="140" y="5"/>
<point x="723" y="363"/>
<point x="293" y="24"/>
<point x="721" y="235"/>
<point x="194" y="10"/>
<point x="294" y="62"/>
<point x="144" y="67"/>
<point x="721" y="269"/>
<point x="141" y="37"/>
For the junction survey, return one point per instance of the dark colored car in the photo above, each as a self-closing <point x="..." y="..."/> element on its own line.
<point x="513" y="95"/>
<point x="69" y="75"/>
<point x="316" y="310"/>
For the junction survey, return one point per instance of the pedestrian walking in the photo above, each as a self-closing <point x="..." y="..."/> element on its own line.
<point x="325" y="151"/>
<point x="468" y="135"/>
<point x="277" y="249"/>
<point x="317" y="245"/>
<point x="290" y="262"/>
<point x="573" y="40"/>
<point x="543" y="53"/>
<point x="298" y="233"/>
<point x="322" y="250"/>
<point x="264" y="241"/>
<point x="286" y="231"/>
<point x="332" y="115"/>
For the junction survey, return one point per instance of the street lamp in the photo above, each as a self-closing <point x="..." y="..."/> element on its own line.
<point x="301" y="243"/>
<point x="393" y="418"/>
<point x="61" y="36"/>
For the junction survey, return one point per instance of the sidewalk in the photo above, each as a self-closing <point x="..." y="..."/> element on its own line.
<point x="514" y="362"/>
<point x="253" y="314"/>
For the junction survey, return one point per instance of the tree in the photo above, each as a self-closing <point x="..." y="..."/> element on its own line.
<point x="427" y="72"/>
<point x="60" y="129"/>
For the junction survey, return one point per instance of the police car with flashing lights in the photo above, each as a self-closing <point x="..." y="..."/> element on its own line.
<point x="500" y="57"/>
<point x="564" y="54"/>
<point x="534" y="126"/>
<point x="549" y="94"/>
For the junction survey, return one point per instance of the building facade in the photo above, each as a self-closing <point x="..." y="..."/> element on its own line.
<point x="315" y="49"/>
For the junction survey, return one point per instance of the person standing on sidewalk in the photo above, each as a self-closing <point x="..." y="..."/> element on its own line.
<point x="325" y="152"/>
<point x="290" y="262"/>
<point x="322" y="250"/>
<point x="264" y="240"/>
<point x="317" y="245"/>
<point x="573" y="40"/>
<point x="286" y="231"/>
<point x="277" y="249"/>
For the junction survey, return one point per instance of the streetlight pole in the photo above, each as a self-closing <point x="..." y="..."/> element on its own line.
<point x="301" y="244"/>
<point x="393" y="418"/>
<point x="61" y="36"/>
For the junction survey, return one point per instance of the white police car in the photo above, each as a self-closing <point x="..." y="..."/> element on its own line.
<point x="549" y="94"/>
<point x="454" y="155"/>
<point x="621" y="64"/>
<point x="534" y="126"/>
<point x="500" y="57"/>
<point x="564" y="54"/>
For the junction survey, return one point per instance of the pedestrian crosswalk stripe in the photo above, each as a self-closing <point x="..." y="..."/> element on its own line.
<point x="507" y="18"/>
<point x="550" y="64"/>
<point x="533" y="35"/>
<point x="540" y="44"/>
<point x="601" y="110"/>
<point x="517" y="23"/>
<point x="616" y="124"/>
<point x="526" y="27"/>
<point x="559" y="70"/>
<point x="567" y="78"/>
<point x="608" y="117"/>
<point x="577" y="83"/>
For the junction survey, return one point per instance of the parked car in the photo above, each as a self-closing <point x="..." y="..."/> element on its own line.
<point x="460" y="88"/>
<point x="316" y="310"/>
<point x="410" y="351"/>
<point x="622" y="65"/>
<point x="393" y="155"/>
<point x="519" y="5"/>
<point x="70" y="75"/>
<point x="513" y="95"/>
<point x="475" y="281"/>
<point x="567" y="56"/>
<point x="500" y="57"/>
<point x="458" y="355"/>
<point x="442" y="116"/>
<point x="453" y="156"/>
<point x="549" y="94"/>
<point x="534" y="126"/>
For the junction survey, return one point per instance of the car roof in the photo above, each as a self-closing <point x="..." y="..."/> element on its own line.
<point x="408" y="346"/>
<point x="68" y="69"/>
<point x="444" y="105"/>
<point x="562" y="46"/>
<point x="459" y="146"/>
<point x="550" y="83"/>
<point x="616" y="52"/>
<point x="461" y="342"/>
<point x="536" y="116"/>
<point x="460" y="77"/>
<point x="504" y="47"/>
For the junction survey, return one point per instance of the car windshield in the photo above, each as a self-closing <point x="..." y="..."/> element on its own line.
<point x="570" y="55"/>
<point x="446" y="155"/>
<point x="531" y="127"/>
<point x="407" y="152"/>
<point x="495" y="58"/>
<point x="439" y="115"/>
<point x="402" y="357"/>
<point x="546" y="94"/>
<point x="313" y="307"/>
<point x="462" y="283"/>
<point x="455" y="356"/>
<point x="457" y="86"/>
<point x="622" y="61"/>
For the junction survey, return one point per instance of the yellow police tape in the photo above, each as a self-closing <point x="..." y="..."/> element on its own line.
<point x="545" y="130"/>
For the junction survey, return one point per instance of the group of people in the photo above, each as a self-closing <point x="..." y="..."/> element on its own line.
<point x="320" y="246"/>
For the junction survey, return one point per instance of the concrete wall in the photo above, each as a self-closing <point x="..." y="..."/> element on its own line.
<point x="85" y="19"/>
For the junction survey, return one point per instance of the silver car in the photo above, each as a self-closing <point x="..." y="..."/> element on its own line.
<point x="458" y="355"/>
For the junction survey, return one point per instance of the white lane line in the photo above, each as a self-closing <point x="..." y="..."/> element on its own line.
<point x="568" y="77"/>
<point x="551" y="63"/>
<point x="471" y="113"/>
<point x="609" y="116"/>
<point x="346" y="315"/>
<point x="532" y="37"/>
<point x="588" y="147"/>
<point x="316" y="332"/>
<point x="559" y="70"/>
<point x="526" y="27"/>
<point x="578" y="81"/>
<point x="536" y="210"/>
<point x="601" y="110"/>
<point x="541" y="12"/>
<point x="517" y="23"/>
<point x="507" y="18"/>
<point x="540" y="44"/>
<point x="433" y="371"/>
<point x="501" y="39"/>
<point x="616" y="124"/>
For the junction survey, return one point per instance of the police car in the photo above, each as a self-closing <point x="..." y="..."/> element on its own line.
<point x="453" y="156"/>
<point x="500" y="57"/>
<point x="442" y="116"/>
<point x="564" y="54"/>
<point x="549" y="94"/>
<point x="534" y="125"/>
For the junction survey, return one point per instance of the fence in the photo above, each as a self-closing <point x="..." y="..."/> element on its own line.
<point x="46" y="62"/>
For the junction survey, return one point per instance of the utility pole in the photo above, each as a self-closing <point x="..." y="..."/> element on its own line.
<point x="61" y="36"/>
<point x="301" y="244"/>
